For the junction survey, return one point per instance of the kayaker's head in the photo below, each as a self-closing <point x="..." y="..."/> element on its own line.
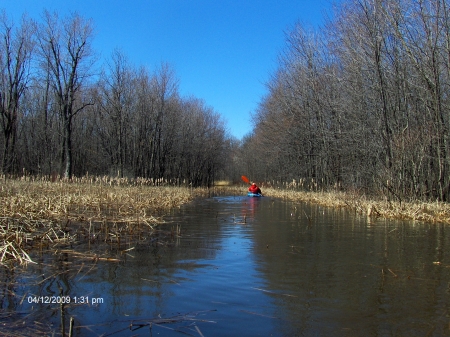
<point x="253" y="184"/>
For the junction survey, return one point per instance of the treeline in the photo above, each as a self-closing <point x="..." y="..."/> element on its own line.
<point x="61" y="114"/>
<point x="362" y="103"/>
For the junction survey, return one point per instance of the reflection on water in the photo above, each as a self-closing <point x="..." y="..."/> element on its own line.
<point x="248" y="267"/>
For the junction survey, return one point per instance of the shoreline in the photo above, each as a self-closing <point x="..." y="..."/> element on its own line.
<point x="54" y="215"/>
<point x="430" y="212"/>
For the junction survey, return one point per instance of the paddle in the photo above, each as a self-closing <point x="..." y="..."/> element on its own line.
<point x="245" y="179"/>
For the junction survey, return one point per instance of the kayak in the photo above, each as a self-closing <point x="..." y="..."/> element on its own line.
<point x="250" y="194"/>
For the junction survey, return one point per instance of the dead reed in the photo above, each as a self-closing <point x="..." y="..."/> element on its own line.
<point x="432" y="212"/>
<point x="38" y="213"/>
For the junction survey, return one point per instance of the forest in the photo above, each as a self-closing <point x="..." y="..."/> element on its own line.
<point x="62" y="115"/>
<point x="360" y="103"/>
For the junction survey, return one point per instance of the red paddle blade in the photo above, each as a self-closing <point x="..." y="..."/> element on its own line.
<point x="244" y="178"/>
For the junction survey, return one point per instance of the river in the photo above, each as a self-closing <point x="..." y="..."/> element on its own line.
<point x="247" y="267"/>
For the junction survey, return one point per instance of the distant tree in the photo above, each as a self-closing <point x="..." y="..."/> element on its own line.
<point x="115" y="102"/>
<point x="16" y="47"/>
<point x="165" y="88"/>
<point x="65" y="50"/>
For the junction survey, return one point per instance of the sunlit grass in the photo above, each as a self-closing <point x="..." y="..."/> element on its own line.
<point x="223" y="183"/>
<point x="35" y="212"/>
<point x="45" y="200"/>
<point x="433" y="212"/>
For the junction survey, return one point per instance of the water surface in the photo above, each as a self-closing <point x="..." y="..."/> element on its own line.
<point x="250" y="267"/>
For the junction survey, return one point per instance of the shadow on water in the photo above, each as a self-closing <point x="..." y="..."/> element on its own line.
<point x="244" y="267"/>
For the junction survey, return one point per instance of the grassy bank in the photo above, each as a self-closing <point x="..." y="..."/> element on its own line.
<point x="37" y="200"/>
<point x="53" y="215"/>
<point x="433" y="212"/>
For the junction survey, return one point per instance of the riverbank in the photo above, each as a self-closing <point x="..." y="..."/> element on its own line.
<point x="44" y="215"/>
<point x="433" y="212"/>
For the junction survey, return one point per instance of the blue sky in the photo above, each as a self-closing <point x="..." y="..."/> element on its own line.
<point x="222" y="51"/>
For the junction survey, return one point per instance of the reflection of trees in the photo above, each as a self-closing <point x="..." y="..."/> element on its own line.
<point x="132" y="283"/>
<point x="328" y="272"/>
<point x="7" y="286"/>
<point x="325" y="270"/>
<point x="339" y="272"/>
<point x="54" y="276"/>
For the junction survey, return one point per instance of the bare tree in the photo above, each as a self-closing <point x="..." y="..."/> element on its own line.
<point x="369" y="107"/>
<point x="65" y="48"/>
<point x="16" y="46"/>
<point x="165" y="87"/>
<point x="115" y="101"/>
<point x="134" y="122"/>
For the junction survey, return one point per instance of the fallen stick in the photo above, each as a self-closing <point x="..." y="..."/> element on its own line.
<point x="199" y="332"/>
<point x="394" y="274"/>
<point x="273" y="292"/>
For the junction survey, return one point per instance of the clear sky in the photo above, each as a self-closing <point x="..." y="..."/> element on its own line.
<point x="222" y="51"/>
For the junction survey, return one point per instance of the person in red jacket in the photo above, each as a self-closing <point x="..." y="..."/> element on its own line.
<point x="254" y="189"/>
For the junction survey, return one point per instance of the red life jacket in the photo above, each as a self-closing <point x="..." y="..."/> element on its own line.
<point x="254" y="189"/>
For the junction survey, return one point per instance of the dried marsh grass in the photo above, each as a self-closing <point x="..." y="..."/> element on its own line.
<point x="432" y="212"/>
<point x="40" y="213"/>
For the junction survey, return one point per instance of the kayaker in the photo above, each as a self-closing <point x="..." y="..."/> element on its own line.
<point x="254" y="189"/>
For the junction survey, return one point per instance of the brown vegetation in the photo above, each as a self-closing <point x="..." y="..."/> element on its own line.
<point x="39" y="213"/>
<point x="433" y="212"/>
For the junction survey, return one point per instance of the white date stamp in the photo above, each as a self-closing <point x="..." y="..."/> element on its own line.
<point x="65" y="300"/>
